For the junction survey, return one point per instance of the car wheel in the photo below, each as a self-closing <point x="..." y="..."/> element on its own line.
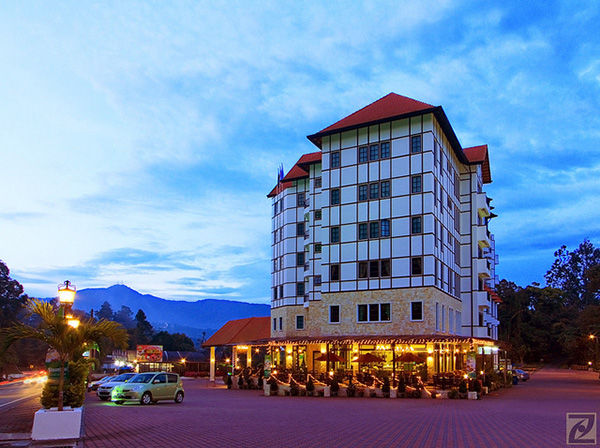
<point x="119" y="402"/>
<point x="179" y="397"/>
<point x="146" y="398"/>
<point x="103" y="398"/>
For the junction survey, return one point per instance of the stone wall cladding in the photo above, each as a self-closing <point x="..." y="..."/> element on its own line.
<point x="317" y="320"/>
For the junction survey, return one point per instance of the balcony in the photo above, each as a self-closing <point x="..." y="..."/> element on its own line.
<point x="483" y="236"/>
<point x="483" y="268"/>
<point x="481" y="299"/>
<point x="483" y="207"/>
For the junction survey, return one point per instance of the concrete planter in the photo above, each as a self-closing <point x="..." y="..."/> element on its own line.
<point x="50" y="424"/>
<point x="267" y="390"/>
<point x="472" y="395"/>
<point x="393" y="393"/>
<point x="327" y="391"/>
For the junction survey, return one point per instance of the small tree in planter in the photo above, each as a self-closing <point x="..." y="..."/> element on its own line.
<point x="241" y="382"/>
<point x="294" y="388"/>
<point x="385" y="388"/>
<point x="310" y="387"/>
<point x="335" y="387"/>
<point x="229" y="382"/>
<point x="477" y="387"/>
<point x="463" y="389"/>
<point x="261" y="382"/>
<point x="351" y="391"/>
<point x="453" y="394"/>
<point x="274" y="386"/>
<point x="401" y="388"/>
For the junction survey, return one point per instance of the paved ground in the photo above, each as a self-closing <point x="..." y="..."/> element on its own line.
<point x="532" y="414"/>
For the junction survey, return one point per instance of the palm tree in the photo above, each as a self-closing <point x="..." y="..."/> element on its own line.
<point x="69" y="342"/>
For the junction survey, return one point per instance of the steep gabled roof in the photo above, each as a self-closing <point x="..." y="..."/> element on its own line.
<point x="479" y="155"/>
<point x="300" y="170"/>
<point x="391" y="107"/>
<point x="241" y="331"/>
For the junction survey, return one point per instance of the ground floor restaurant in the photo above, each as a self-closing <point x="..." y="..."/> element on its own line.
<point x="431" y="358"/>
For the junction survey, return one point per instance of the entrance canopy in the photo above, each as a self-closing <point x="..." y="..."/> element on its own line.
<point x="251" y="330"/>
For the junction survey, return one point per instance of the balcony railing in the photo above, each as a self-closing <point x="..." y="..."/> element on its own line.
<point x="483" y="236"/>
<point x="483" y="207"/>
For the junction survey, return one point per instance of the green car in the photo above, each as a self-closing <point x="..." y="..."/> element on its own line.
<point x="150" y="387"/>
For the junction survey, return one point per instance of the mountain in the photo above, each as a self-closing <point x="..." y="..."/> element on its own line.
<point x="191" y="318"/>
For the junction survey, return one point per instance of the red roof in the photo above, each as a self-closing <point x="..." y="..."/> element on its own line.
<point x="241" y="331"/>
<point x="298" y="171"/>
<point x="495" y="297"/>
<point x="479" y="155"/>
<point x="391" y="105"/>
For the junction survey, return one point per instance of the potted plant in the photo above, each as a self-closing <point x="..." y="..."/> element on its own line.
<point x="351" y="390"/>
<point x="401" y="388"/>
<point x="453" y="394"/>
<point x="229" y="382"/>
<point x="335" y="387"/>
<point x="462" y="389"/>
<point x="240" y="382"/>
<point x="274" y="386"/>
<point x="385" y="387"/>
<point x="310" y="387"/>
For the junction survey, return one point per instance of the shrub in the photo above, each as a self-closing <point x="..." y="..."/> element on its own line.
<point x="385" y="388"/>
<point x="453" y="394"/>
<point x="310" y="386"/>
<point x="73" y="390"/>
<point x="462" y="387"/>
<point x="335" y="386"/>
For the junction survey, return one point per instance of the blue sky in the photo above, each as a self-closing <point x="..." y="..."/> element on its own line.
<point x="138" y="140"/>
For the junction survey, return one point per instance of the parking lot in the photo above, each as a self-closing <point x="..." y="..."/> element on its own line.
<point x="532" y="414"/>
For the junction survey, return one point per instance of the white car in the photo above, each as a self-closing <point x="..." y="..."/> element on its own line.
<point x="105" y="389"/>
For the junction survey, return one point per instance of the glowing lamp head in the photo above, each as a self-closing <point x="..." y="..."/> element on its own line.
<point x="73" y="321"/>
<point x="66" y="293"/>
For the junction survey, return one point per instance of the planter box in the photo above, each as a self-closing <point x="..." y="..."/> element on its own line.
<point x="327" y="391"/>
<point x="49" y="424"/>
<point x="393" y="393"/>
<point x="267" y="390"/>
<point x="472" y="395"/>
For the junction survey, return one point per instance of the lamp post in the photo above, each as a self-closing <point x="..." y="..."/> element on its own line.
<point x="66" y="297"/>
<point x="595" y="339"/>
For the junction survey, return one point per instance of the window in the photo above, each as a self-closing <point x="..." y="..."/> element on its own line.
<point x="374" y="268"/>
<point x="335" y="196"/>
<point x="335" y="234"/>
<point x="362" y="192"/>
<point x="416" y="310"/>
<point x="373" y="191"/>
<point x="300" y="288"/>
<point x="362" y="154"/>
<point x="415" y="143"/>
<point x="275" y="293"/>
<point x="416" y="226"/>
<point x="335" y="159"/>
<point x="274" y="324"/>
<point x="374" y="229"/>
<point x="385" y="189"/>
<point x="362" y="231"/>
<point x="318" y="280"/>
<point x="385" y="268"/>
<point x="416" y="182"/>
<point x="334" y="272"/>
<point x="362" y="269"/>
<point x="318" y="182"/>
<point x="385" y="227"/>
<point x="301" y="198"/>
<point x="300" y="259"/>
<point x="318" y="215"/>
<point x="334" y="314"/>
<point x="299" y="322"/>
<point x="281" y="292"/>
<point x="300" y="229"/>
<point x="374" y="312"/>
<point x="416" y="266"/>
<point x="318" y="248"/>
<point x="281" y="323"/>
<point x="373" y="152"/>
<point x="385" y="150"/>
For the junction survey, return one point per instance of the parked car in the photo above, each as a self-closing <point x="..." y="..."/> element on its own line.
<point x="105" y="389"/>
<point x="95" y="384"/>
<point x="521" y="374"/>
<point x="146" y="388"/>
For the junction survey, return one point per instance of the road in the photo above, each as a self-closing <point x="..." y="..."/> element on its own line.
<point x="18" y="403"/>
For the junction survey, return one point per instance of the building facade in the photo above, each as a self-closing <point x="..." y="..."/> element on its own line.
<point x="382" y="234"/>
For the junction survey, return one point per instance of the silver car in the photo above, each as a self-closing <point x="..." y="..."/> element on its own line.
<point x="105" y="389"/>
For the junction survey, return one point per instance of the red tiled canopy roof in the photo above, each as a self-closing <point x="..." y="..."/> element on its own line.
<point x="479" y="155"/>
<point x="495" y="297"/>
<point x="241" y="331"/>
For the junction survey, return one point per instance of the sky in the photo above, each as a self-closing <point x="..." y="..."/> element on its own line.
<point x="138" y="140"/>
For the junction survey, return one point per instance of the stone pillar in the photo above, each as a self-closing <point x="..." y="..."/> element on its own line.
<point x="212" y="365"/>
<point x="249" y="356"/>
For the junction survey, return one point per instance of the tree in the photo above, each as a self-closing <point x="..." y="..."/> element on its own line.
<point x="125" y="317"/>
<point x="12" y="301"/>
<point x="105" y="312"/>
<point x="570" y="272"/>
<point x="69" y="342"/>
<point x="174" y="342"/>
<point x="143" y="331"/>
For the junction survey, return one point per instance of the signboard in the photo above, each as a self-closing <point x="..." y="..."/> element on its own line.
<point x="471" y="365"/>
<point x="267" y="366"/>
<point x="149" y="353"/>
<point x="53" y="366"/>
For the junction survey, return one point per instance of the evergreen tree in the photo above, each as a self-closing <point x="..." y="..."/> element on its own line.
<point x="105" y="312"/>
<point x="125" y="317"/>
<point x="143" y="329"/>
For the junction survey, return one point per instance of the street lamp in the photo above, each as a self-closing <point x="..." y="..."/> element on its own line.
<point x="594" y="338"/>
<point x="66" y="295"/>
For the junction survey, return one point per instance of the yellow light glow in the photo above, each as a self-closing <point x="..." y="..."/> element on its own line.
<point x="592" y="336"/>
<point x="430" y="351"/>
<point x="242" y="347"/>
<point x="289" y="350"/>
<point x="66" y="293"/>
<point x="182" y="360"/>
<point x="466" y="376"/>
<point x="73" y="322"/>
<point x="257" y="350"/>
<point x="323" y="350"/>
<point x="211" y="360"/>
<point x="228" y="360"/>
<point x="430" y="359"/>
